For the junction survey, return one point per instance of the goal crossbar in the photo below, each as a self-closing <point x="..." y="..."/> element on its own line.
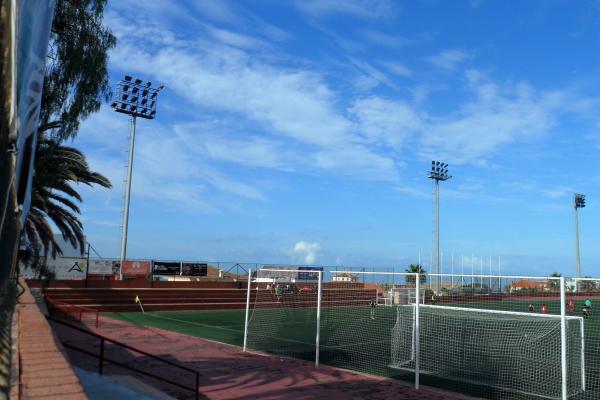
<point x="484" y="310"/>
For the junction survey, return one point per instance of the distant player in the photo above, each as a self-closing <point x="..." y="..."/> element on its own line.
<point x="544" y="309"/>
<point x="531" y="308"/>
<point x="433" y="298"/>
<point x="571" y="306"/>
<point x="372" y="305"/>
<point x="278" y="293"/>
<point x="587" y="308"/>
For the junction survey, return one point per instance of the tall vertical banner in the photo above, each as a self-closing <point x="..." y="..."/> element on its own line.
<point x="136" y="268"/>
<point x="35" y="21"/>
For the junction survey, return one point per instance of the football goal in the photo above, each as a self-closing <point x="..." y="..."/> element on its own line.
<point x="512" y="351"/>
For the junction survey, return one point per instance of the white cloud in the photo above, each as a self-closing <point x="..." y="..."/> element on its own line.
<point x="366" y="9"/>
<point x="235" y="39"/>
<point x="307" y="251"/>
<point x="449" y="59"/>
<point x="557" y="192"/>
<point x="294" y="105"/>
<point x="498" y="115"/>
<point x="217" y="10"/>
<point x="384" y="39"/>
<point x="383" y="121"/>
<point x="398" y="69"/>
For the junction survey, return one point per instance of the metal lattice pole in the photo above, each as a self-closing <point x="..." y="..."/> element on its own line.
<point x="136" y="99"/>
<point x="127" y="197"/>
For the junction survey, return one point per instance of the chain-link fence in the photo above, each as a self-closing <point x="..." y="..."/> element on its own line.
<point x="501" y="337"/>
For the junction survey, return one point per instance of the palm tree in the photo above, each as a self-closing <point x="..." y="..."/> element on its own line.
<point x="54" y="198"/>
<point x="416" y="269"/>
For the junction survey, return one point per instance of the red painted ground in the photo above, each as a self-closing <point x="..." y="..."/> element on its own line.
<point x="228" y="373"/>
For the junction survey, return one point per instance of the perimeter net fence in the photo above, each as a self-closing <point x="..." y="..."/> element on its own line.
<point x="490" y="336"/>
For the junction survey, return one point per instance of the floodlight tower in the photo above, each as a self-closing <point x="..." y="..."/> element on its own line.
<point x="438" y="172"/>
<point x="136" y="99"/>
<point x="578" y="202"/>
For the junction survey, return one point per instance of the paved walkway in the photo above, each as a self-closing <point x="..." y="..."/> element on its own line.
<point x="228" y="373"/>
<point x="43" y="369"/>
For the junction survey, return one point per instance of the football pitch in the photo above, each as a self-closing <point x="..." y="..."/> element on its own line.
<point x="350" y="338"/>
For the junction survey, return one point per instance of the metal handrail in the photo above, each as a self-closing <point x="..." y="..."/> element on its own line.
<point x="61" y="304"/>
<point x="102" y="359"/>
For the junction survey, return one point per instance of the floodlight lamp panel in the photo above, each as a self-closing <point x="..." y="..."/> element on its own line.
<point x="128" y="78"/>
<point x="138" y="81"/>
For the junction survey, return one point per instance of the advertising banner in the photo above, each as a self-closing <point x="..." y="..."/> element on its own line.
<point x="309" y="276"/>
<point x="64" y="268"/>
<point x="136" y="268"/>
<point x="101" y="267"/>
<point x="194" y="269"/>
<point x="166" y="268"/>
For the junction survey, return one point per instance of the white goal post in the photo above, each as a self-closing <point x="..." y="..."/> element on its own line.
<point x="512" y="351"/>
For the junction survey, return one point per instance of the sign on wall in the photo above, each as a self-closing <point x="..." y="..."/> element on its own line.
<point x="309" y="276"/>
<point x="166" y="268"/>
<point x="136" y="268"/>
<point x="194" y="269"/>
<point x="101" y="267"/>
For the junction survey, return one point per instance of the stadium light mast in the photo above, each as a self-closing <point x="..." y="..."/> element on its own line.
<point x="438" y="172"/>
<point x="578" y="202"/>
<point x="136" y="99"/>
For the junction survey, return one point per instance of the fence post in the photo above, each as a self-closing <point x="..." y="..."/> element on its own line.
<point x="416" y="328"/>
<point x="317" y="337"/>
<point x="247" y="307"/>
<point x="563" y="338"/>
<point x="101" y="360"/>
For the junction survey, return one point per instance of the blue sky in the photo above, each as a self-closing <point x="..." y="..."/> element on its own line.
<point x="293" y="132"/>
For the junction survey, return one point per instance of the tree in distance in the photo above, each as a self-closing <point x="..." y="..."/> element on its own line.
<point x="416" y="269"/>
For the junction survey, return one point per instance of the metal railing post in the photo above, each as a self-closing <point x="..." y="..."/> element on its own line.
<point x="317" y="337"/>
<point x="563" y="339"/>
<point x="247" y="308"/>
<point x="416" y="328"/>
<point x="101" y="360"/>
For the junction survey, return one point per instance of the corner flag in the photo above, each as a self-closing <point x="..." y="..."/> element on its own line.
<point x="138" y="301"/>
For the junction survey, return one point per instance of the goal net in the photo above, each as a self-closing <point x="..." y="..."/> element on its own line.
<point x="512" y="351"/>
<point x="405" y="295"/>
<point x="283" y="314"/>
